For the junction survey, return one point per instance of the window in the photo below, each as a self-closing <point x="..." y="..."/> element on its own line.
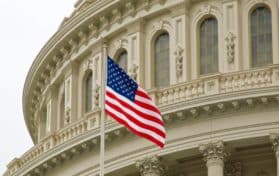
<point x="209" y="46"/>
<point x="88" y="92"/>
<point x="43" y="123"/>
<point x="162" y="61"/>
<point x="48" y="116"/>
<point x="261" y="37"/>
<point x="122" y="60"/>
<point x="62" y="110"/>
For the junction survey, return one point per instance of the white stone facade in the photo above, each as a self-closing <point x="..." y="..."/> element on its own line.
<point x="218" y="124"/>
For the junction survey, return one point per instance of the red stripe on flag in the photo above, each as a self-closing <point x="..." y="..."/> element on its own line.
<point x="150" y="138"/>
<point x="143" y="94"/>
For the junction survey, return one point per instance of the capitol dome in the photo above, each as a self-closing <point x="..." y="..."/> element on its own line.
<point x="211" y="66"/>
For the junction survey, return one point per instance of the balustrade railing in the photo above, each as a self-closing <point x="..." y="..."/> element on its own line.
<point x="209" y="85"/>
<point x="218" y="83"/>
<point x="68" y="132"/>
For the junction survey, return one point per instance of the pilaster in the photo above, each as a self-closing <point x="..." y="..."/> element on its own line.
<point x="181" y="42"/>
<point x="151" y="166"/>
<point x="231" y="35"/>
<point x="136" y="51"/>
<point x="214" y="155"/>
<point x="71" y="82"/>
<point x="96" y="85"/>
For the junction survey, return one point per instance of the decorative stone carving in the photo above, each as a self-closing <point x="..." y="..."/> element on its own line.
<point x="230" y="44"/>
<point x="221" y="106"/>
<point x="275" y="77"/>
<point x="82" y="36"/>
<point x="274" y="138"/>
<point x="233" y="169"/>
<point x="207" y="109"/>
<point x="250" y="102"/>
<point x="96" y="96"/>
<point x="235" y="105"/>
<point x="94" y="30"/>
<point x="88" y="64"/>
<point x="73" y="44"/>
<point x="131" y="8"/>
<point x="211" y="87"/>
<point x="121" y="43"/>
<point x="67" y="118"/>
<point x="147" y="4"/>
<point x="205" y="9"/>
<point x="104" y="20"/>
<point x="213" y="151"/>
<point x="178" y="60"/>
<point x="264" y="100"/>
<point x="194" y="112"/>
<point x="133" y="72"/>
<point x="116" y="15"/>
<point x="64" y="51"/>
<point x="151" y="166"/>
<point x="160" y="25"/>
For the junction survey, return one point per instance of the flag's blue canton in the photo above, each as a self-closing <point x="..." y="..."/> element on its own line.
<point x="119" y="81"/>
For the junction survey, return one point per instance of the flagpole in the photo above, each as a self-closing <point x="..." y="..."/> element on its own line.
<point x="103" y="115"/>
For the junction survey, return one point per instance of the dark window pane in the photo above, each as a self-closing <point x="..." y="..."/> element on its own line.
<point x="261" y="37"/>
<point x="161" y="62"/>
<point x="209" y="46"/>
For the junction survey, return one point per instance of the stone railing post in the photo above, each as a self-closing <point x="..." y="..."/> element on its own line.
<point x="151" y="166"/>
<point x="275" y="144"/>
<point x="214" y="155"/>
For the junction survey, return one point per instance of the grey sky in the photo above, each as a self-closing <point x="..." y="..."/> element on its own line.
<point x="25" y="25"/>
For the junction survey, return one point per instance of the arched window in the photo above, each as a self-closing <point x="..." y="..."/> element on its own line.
<point x="261" y="37"/>
<point x="209" y="46"/>
<point x="162" y="61"/>
<point x="88" y="92"/>
<point x="122" y="60"/>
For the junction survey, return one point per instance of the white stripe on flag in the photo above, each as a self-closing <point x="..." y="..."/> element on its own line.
<point x="134" y="126"/>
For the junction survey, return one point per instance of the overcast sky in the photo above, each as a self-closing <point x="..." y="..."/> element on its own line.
<point x="25" y="26"/>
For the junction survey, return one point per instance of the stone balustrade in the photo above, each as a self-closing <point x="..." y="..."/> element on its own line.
<point x="246" y="80"/>
<point x="71" y="131"/>
<point x="68" y="132"/>
<point x="218" y="83"/>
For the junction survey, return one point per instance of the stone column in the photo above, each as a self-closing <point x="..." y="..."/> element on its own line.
<point x="275" y="145"/>
<point x="214" y="156"/>
<point x="151" y="166"/>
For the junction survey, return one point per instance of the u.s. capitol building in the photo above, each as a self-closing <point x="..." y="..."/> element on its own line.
<point x="211" y="66"/>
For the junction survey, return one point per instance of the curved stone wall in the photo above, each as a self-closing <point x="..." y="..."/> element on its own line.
<point x="234" y="111"/>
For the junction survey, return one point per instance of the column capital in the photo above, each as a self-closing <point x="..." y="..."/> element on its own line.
<point x="213" y="153"/>
<point x="151" y="166"/>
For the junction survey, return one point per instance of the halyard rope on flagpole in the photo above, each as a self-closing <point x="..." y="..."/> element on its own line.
<point x="103" y="114"/>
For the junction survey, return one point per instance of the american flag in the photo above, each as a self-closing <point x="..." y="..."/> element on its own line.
<point x="131" y="106"/>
